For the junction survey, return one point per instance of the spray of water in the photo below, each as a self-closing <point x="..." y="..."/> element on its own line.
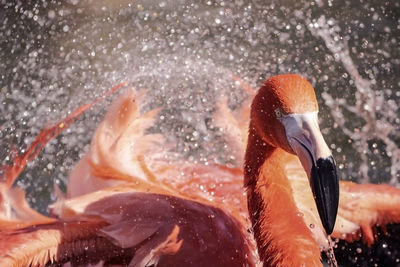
<point x="372" y="106"/>
<point x="55" y="56"/>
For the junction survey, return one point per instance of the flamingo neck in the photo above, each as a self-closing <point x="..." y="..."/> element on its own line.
<point x="283" y="239"/>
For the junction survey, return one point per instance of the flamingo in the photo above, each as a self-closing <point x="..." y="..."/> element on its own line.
<point x="131" y="202"/>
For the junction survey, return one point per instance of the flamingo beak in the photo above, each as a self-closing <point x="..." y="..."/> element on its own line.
<point x="305" y="139"/>
<point x="325" y="187"/>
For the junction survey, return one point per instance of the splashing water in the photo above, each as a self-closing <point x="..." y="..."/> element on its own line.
<point x="330" y="253"/>
<point x="57" y="55"/>
<point x="378" y="113"/>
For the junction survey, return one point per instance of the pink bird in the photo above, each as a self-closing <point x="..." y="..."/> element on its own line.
<point x="130" y="201"/>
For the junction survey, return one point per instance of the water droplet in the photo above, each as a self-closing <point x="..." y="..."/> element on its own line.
<point x="51" y="14"/>
<point x="50" y="166"/>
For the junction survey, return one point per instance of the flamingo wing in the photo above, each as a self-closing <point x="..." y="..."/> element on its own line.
<point x="366" y="206"/>
<point x="140" y="216"/>
<point x="137" y="225"/>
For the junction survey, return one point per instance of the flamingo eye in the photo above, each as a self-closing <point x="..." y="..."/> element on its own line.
<point x="278" y="113"/>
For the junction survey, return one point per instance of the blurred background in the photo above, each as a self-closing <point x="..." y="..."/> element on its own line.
<point x="58" y="55"/>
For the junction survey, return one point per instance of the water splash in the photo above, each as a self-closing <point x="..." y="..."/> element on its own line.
<point x="56" y="56"/>
<point x="373" y="107"/>
<point x="330" y="253"/>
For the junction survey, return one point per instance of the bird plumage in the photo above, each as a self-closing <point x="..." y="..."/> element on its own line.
<point x="148" y="206"/>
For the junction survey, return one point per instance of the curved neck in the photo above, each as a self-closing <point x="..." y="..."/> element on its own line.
<point x="257" y="152"/>
<point x="283" y="239"/>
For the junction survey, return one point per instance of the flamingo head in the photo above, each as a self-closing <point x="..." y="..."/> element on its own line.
<point x="285" y="115"/>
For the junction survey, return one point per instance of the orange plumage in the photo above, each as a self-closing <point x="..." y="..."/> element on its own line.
<point x="126" y="203"/>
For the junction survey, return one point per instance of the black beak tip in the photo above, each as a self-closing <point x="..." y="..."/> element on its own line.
<point x="325" y="187"/>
